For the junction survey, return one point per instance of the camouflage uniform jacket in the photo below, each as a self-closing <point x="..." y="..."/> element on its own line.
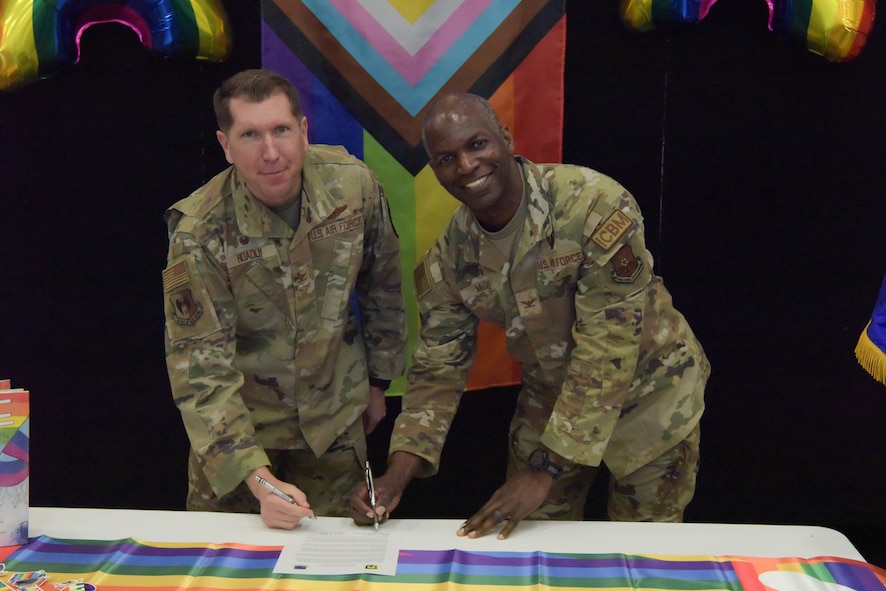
<point x="610" y="368"/>
<point x="263" y="344"/>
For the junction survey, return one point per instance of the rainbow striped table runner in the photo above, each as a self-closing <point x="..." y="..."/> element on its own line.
<point x="87" y="565"/>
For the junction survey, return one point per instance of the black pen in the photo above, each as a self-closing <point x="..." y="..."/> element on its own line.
<point x="278" y="492"/>
<point x="371" y="486"/>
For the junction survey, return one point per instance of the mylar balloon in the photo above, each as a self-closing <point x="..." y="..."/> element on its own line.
<point x="644" y="15"/>
<point x="835" y="29"/>
<point x="38" y="37"/>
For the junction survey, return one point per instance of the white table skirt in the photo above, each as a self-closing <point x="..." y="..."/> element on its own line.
<point x="585" y="537"/>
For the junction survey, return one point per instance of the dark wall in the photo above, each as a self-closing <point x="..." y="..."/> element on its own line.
<point x="759" y="168"/>
<point x="89" y="160"/>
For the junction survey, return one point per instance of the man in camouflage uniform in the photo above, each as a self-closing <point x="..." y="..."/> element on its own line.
<point x="611" y="371"/>
<point x="273" y="371"/>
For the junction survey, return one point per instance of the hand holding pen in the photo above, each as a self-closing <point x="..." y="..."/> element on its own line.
<point x="378" y="497"/>
<point x="277" y="515"/>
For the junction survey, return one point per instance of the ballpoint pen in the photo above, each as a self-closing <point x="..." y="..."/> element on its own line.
<point x="278" y="492"/>
<point x="371" y="486"/>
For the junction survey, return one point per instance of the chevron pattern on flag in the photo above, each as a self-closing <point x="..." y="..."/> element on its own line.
<point x="367" y="70"/>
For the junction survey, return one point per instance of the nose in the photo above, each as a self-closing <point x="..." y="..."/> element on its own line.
<point x="466" y="163"/>
<point x="270" y="151"/>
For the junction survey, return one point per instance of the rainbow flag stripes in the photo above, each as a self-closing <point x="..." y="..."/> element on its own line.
<point x="367" y="71"/>
<point x="119" y="565"/>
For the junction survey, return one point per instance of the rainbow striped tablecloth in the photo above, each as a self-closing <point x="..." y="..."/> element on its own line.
<point x="75" y="565"/>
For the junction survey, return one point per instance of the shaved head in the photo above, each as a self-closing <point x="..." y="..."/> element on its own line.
<point x="472" y="156"/>
<point x="452" y="106"/>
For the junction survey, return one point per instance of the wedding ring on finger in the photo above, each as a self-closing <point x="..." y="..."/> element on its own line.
<point x="498" y="516"/>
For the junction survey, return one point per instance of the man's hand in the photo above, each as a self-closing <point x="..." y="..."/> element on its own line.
<point x="376" y="410"/>
<point x="388" y="489"/>
<point x="277" y="512"/>
<point x="517" y="498"/>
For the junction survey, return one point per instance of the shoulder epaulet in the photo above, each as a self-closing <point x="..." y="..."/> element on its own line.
<point x="199" y="203"/>
<point x="326" y="154"/>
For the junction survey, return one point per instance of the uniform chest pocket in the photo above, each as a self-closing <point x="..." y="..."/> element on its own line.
<point x="338" y="279"/>
<point x="261" y="301"/>
<point x="482" y="297"/>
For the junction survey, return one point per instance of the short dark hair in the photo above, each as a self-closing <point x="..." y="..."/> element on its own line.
<point x="460" y="100"/>
<point x="255" y="86"/>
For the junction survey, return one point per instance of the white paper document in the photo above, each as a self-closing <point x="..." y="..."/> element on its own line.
<point x="340" y="553"/>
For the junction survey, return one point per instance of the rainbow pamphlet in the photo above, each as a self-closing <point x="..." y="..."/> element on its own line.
<point x="14" y="464"/>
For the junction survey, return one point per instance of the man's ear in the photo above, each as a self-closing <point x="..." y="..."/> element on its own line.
<point x="303" y="126"/>
<point x="223" y="141"/>
<point x="508" y="138"/>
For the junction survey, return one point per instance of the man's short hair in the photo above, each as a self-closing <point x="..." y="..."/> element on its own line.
<point x="254" y="86"/>
<point x="463" y="99"/>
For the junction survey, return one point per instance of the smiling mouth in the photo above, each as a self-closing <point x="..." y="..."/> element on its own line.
<point x="476" y="183"/>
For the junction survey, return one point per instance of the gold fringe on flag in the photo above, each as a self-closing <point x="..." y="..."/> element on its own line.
<point x="870" y="356"/>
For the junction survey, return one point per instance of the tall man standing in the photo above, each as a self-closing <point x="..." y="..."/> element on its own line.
<point x="275" y="372"/>
<point x="611" y="371"/>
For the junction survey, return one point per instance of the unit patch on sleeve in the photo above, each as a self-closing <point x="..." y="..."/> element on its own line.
<point x="190" y="313"/>
<point x="185" y="309"/>
<point x="613" y="228"/>
<point x="625" y="265"/>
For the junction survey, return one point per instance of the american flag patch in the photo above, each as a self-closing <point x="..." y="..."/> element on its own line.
<point x="175" y="276"/>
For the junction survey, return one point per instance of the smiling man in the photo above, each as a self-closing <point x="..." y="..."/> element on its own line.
<point x="276" y="379"/>
<point x="267" y="144"/>
<point x="611" y="371"/>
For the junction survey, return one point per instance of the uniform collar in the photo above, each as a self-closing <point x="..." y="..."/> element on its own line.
<point x="536" y="227"/>
<point x="255" y="219"/>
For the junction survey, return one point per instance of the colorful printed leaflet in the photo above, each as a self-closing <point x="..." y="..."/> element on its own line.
<point x="14" y="464"/>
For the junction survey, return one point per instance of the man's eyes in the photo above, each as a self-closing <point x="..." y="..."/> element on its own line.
<point x="278" y="131"/>
<point x="473" y="146"/>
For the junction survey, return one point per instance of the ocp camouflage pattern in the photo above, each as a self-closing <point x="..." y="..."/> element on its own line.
<point x="264" y="346"/>
<point x="611" y="371"/>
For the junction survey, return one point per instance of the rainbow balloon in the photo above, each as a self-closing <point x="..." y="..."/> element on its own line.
<point x="645" y="15"/>
<point x="835" y="29"/>
<point x="39" y="37"/>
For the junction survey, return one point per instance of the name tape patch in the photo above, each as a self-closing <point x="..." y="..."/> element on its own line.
<point x="337" y="227"/>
